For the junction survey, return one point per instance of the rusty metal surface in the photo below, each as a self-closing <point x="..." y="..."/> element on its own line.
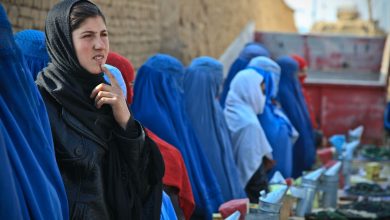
<point x="340" y="108"/>
<point x="328" y="53"/>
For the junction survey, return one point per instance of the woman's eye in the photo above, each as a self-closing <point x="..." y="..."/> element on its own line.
<point x="86" y="36"/>
<point x="105" y="34"/>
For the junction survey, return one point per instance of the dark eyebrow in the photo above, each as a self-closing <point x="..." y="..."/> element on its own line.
<point x="88" y="32"/>
<point x="93" y="32"/>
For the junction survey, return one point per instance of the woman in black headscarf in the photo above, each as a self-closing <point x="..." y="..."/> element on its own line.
<point x="111" y="170"/>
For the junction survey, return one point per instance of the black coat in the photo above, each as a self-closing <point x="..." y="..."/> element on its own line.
<point x="82" y="160"/>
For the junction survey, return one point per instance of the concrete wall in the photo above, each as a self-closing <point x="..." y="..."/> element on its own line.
<point x="182" y="28"/>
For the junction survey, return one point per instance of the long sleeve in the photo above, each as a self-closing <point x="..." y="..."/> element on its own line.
<point x="145" y="167"/>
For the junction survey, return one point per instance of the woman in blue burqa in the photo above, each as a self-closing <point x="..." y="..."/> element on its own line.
<point x="292" y="101"/>
<point x="250" y="51"/>
<point x="277" y="127"/>
<point x="158" y="105"/>
<point x="251" y="149"/>
<point x="202" y="81"/>
<point x="30" y="183"/>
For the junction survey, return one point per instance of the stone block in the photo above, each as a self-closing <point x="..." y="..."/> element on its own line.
<point x="46" y="4"/>
<point x="37" y="4"/>
<point x="25" y="11"/>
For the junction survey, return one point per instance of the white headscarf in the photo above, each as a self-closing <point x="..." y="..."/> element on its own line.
<point x="244" y="101"/>
<point x="271" y="66"/>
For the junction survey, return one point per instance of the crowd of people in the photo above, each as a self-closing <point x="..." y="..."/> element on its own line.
<point x="89" y="140"/>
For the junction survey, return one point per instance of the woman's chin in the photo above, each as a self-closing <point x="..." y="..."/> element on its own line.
<point x="95" y="70"/>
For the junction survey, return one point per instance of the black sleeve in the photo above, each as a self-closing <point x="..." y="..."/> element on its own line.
<point x="145" y="168"/>
<point x="130" y="147"/>
<point x="132" y="131"/>
<point x="154" y="172"/>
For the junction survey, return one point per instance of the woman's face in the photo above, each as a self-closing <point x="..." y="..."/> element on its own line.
<point x="90" y="41"/>
<point x="262" y="86"/>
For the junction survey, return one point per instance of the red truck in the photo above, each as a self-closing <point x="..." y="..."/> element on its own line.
<point x="347" y="78"/>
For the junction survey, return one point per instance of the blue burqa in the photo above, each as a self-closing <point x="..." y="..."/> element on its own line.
<point x="277" y="128"/>
<point x="291" y="98"/>
<point x="32" y="44"/>
<point x="158" y="105"/>
<point x="201" y="83"/>
<point x="30" y="183"/>
<point x="387" y="117"/>
<point x="167" y="210"/>
<point x="250" y="50"/>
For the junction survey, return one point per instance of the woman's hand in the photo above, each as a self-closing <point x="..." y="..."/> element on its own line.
<point x="268" y="163"/>
<point x="112" y="95"/>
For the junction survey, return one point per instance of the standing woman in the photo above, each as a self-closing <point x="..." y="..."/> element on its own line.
<point x="251" y="149"/>
<point x="110" y="169"/>
<point x="158" y="105"/>
<point x="292" y="100"/>
<point x="176" y="182"/>
<point x="30" y="182"/>
<point x="277" y="127"/>
<point x="201" y="85"/>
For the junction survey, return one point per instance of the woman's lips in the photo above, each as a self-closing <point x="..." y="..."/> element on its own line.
<point x="99" y="59"/>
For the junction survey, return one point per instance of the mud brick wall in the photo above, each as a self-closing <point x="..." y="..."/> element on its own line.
<point x="183" y="28"/>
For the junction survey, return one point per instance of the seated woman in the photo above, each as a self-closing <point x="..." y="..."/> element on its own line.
<point x="111" y="170"/>
<point x="251" y="148"/>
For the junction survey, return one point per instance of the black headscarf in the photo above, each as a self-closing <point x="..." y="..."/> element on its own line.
<point x="66" y="80"/>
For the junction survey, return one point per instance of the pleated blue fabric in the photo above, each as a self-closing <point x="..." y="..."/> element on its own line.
<point x="201" y="84"/>
<point x="30" y="180"/>
<point x="158" y="105"/>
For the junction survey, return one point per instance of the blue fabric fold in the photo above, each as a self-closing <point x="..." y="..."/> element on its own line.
<point x="291" y="98"/>
<point x="32" y="44"/>
<point x="30" y="181"/>
<point x="201" y="84"/>
<point x="167" y="210"/>
<point x="387" y="117"/>
<point x="158" y="105"/>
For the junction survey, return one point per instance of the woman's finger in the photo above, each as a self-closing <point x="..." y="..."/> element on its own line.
<point x="111" y="76"/>
<point x="102" y="94"/>
<point x="98" y="88"/>
<point x="105" y="100"/>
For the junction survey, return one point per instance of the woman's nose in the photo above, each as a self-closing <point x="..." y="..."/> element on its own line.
<point x="99" y="44"/>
